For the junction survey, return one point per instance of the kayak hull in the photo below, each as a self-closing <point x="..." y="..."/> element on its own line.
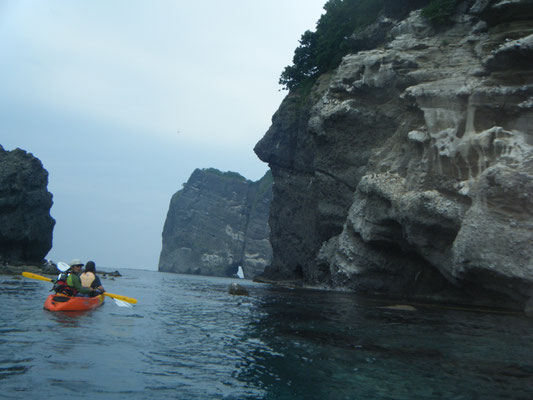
<point x="59" y="302"/>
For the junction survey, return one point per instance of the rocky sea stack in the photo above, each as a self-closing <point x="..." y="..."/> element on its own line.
<point x="26" y="226"/>
<point x="408" y="170"/>
<point x="216" y="223"/>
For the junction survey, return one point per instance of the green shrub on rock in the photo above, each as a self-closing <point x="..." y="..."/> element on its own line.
<point x="322" y="50"/>
<point x="438" y="12"/>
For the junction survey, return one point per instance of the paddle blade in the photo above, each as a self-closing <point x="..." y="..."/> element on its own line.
<point x="119" y="297"/>
<point x="121" y="303"/>
<point x="62" y="266"/>
<point x="35" y="276"/>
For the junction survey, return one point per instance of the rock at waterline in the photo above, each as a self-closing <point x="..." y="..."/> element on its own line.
<point x="111" y="274"/>
<point x="434" y="201"/>
<point x="238" y="290"/>
<point x="26" y="226"/>
<point x="217" y="222"/>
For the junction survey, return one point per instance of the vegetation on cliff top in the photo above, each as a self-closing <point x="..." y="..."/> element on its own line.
<point x="438" y="12"/>
<point x="228" y="174"/>
<point x="322" y="50"/>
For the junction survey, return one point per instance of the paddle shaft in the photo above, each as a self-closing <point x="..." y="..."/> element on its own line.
<point x="120" y="297"/>
<point x="113" y="296"/>
<point x="35" y="276"/>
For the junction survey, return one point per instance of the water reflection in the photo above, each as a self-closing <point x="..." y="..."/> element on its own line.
<point x="68" y="318"/>
<point x="340" y="346"/>
<point x="188" y="338"/>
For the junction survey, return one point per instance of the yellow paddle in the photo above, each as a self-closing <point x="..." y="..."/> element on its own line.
<point x="120" y="297"/>
<point x="113" y="296"/>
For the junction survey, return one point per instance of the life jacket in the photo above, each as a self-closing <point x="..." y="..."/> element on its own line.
<point x="61" y="286"/>
<point x="87" y="279"/>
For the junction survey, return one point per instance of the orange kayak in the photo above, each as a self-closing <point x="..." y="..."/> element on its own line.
<point x="60" y="302"/>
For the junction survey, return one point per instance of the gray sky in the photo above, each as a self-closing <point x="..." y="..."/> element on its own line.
<point x="122" y="99"/>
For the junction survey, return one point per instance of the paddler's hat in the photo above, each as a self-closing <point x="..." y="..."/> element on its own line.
<point x="75" y="263"/>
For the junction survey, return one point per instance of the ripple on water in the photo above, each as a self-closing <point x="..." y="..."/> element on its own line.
<point x="187" y="338"/>
<point x="10" y="367"/>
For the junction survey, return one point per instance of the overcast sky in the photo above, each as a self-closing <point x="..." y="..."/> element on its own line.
<point x="122" y="99"/>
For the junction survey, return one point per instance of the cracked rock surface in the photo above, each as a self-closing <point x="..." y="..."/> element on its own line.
<point x="26" y="227"/>
<point x="408" y="170"/>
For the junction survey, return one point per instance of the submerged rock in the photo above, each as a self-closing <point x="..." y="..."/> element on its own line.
<point x="408" y="171"/>
<point x="237" y="290"/>
<point x="400" y="307"/>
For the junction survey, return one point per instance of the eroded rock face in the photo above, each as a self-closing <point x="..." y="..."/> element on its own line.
<point x="217" y="222"/>
<point x="411" y="166"/>
<point x="26" y="227"/>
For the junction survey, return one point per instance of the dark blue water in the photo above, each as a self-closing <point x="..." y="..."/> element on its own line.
<point x="188" y="339"/>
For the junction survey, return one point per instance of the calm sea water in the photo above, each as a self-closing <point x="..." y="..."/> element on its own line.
<point x="187" y="338"/>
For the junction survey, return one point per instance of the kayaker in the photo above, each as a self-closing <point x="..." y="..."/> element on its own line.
<point x="73" y="279"/>
<point x="89" y="279"/>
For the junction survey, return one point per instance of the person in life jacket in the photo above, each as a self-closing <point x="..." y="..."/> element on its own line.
<point x="89" y="278"/>
<point x="69" y="282"/>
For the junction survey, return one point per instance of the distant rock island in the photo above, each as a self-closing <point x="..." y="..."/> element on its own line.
<point x="26" y="227"/>
<point x="407" y="171"/>
<point x="216" y="223"/>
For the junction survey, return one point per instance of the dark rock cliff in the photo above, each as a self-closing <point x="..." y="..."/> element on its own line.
<point x="26" y="226"/>
<point x="408" y="170"/>
<point x="217" y="222"/>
